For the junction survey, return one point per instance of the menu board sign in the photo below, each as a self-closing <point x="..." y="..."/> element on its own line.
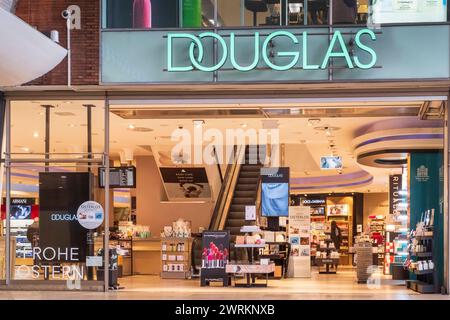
<point x="119" y="177"/>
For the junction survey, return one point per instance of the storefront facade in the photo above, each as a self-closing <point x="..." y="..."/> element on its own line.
<point x="228" y="64"/>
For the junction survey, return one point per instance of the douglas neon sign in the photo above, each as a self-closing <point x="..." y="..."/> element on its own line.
<point x="337" y="48"/>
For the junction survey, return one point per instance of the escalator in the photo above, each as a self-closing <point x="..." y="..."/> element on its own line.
<point x="240" y="189"/>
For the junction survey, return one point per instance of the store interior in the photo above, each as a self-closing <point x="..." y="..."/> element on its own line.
<point x="346" y="161"/>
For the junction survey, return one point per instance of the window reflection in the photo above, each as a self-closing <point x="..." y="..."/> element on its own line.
<point x="151" y="14"/>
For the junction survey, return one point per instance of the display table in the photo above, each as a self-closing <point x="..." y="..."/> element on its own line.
<point x="146" y="256"/>
<point x="250" y="270"/>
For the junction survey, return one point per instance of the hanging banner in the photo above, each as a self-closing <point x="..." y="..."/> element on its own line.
<point x="397" y="197"/>
<point x="299" y="238"/>
<point x="186" y="183"/>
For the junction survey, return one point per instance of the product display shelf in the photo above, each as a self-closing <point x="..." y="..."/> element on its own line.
<point x="176" y="258"/>
<point x="426" y="280"/>
<point x="328" y="261"/>
<point x="377" y="233"/>
<point x="344" y="222"/>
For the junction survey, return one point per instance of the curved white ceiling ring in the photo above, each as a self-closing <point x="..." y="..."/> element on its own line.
<point x="335" y="183"/>
<point x="390" y="148"/>
<point x="25" y="54"/>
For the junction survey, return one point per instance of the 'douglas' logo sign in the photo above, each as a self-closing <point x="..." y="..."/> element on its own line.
<point x="265" y="48"/>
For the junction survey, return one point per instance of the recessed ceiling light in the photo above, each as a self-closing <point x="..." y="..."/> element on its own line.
<point x="72" y="125"/>
<point x="64" y="114"/>
<point x="131" y="126"/>
<point x="140" y="129"/>
<point x="25" y="149"/>
<point x="36" y="135"/>
<point x="244" y="125"/>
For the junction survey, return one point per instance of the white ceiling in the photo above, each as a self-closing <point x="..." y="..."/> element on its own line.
<point x="304" y="144"/>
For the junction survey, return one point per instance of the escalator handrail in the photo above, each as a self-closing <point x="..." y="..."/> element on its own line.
<point x="220" y="209"/>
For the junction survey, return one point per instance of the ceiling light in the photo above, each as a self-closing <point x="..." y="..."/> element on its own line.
<point x="36" y="135"/>
<point x="25" y="149"/>
<point x="72" y="125"/>
<point x="244" y="125"/>
<point x="131" y="126"/>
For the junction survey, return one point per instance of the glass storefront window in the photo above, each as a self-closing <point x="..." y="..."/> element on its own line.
<point x="55" y="159"/>
<point x="140" y="14"/>
<point x="410" y="11"/>
<point x="157" y="14"/>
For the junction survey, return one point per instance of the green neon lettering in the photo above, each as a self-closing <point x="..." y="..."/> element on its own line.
<point x="233" y="54"/>
<point x="363" y="47"/>
<point x="306" y="66"/>
<point x="195" y="42"/>
<point x="342" y="54"/>
<point x="294" y="54"/>
<point x="222" y="61"/>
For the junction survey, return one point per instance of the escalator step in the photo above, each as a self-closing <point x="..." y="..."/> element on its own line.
<point x="243" y="200"/>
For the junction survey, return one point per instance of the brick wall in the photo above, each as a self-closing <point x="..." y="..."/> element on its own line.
<point x="45" y="15"/>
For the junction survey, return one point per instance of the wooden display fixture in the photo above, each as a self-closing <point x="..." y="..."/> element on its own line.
<point x="176" y="258"/>
<point x="344" y="220"/>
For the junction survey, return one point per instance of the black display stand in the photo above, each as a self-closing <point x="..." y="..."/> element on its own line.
<point x="328" y="261"/>
<point x="220" y="239"/>
<point x="426" y="281"/>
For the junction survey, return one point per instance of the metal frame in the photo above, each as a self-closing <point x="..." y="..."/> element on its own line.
<point x="447" y="198"/>
<point x="47" y="160"/>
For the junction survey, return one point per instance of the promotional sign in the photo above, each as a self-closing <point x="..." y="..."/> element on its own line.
<point x="299" y="238"/>
<point x="21" y="209"/>
<point x="215" y="256"/>
<point x="119" y="177"/>
<point x="90" y="215"/>
<point x="398" y="11"/>
<point x="397" y="197"/>
<point x="250" y="213"/>
<point x="275" y="192"/>
<point x="186" y="183"/>
<point x="60" y="196"/>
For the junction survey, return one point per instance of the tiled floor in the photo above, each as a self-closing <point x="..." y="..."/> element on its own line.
<point x="340" y="286"/>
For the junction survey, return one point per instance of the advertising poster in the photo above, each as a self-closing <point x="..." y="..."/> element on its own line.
<point x="186" y="183"/>
<point x="299" y="238"/>
<point x="215" y="256"/>
<point x="407" y="11"/>
<point x="61" y="237"/>
<point x="275" y="192"/>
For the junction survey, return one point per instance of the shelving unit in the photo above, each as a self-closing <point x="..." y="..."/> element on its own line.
<point x="377" y="233"/>
<point x="345" y="223"/>
<point x="176" y="258"/>
<point x="421" y="253"/>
